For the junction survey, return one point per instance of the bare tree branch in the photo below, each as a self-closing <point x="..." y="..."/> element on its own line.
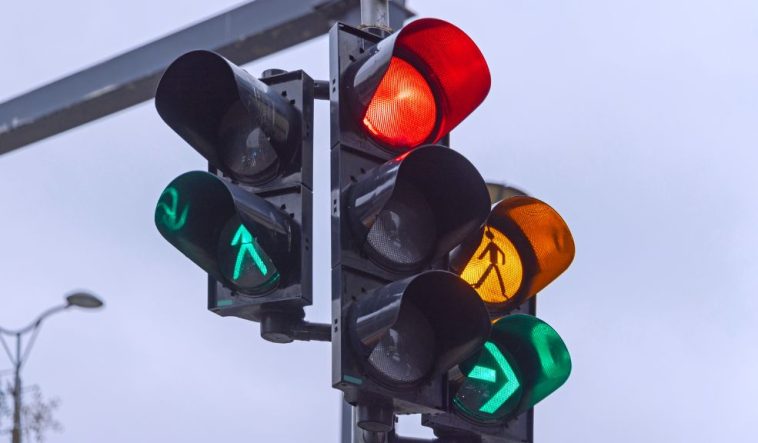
<point x="36" y="413"/>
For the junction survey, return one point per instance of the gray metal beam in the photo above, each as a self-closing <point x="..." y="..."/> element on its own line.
<point x="243" y="34"/>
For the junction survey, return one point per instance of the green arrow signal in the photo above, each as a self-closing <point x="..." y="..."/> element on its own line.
<point x="170" y="211"/>
<point x="490" y="375"/>
<point x="482" y="373"/>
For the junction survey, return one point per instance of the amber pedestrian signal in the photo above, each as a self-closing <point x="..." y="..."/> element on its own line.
<point x="524" y="245"/>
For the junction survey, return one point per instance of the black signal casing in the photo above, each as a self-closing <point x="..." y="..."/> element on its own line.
<point x="354" y="275"/>
<point x="519" y="429"/>
<point x="234" y="120"/>
<point x="291" y="192"/>
<point x="365" y="176"/>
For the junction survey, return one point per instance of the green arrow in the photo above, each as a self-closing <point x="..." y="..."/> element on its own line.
<point x="169" y="212"/>
<point x="245" y="240"/>
<point x="482" y="373"/>
<point x="489" y="374"/>
<point x="540" y="336"/>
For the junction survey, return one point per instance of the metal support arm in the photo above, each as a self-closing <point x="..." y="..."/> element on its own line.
<point x="243" y="34"/>
<point x="285" y="326"/>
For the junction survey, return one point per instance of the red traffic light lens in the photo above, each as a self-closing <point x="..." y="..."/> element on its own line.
<point x="418" y="84"/>
<point x="454" y="65"/>
<point x="402" y="112"/>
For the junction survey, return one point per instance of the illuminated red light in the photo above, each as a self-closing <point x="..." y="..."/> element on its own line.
<point x="419" y="84"/>
<point x="402" y="113"/>
<point x="458" y="72"/>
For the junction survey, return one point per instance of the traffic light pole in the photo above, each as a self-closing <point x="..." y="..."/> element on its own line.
<point x="351" y="433"/>
<point x="375" y="13"/>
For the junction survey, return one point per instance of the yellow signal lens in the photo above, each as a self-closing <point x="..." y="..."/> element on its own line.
<point x="523" y="247"/>
<point x="495" y="270"/>
<point x="548" y="236"/>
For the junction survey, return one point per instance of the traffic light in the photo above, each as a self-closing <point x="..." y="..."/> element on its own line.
<point x="247" y="222"/>
<point x="491" y="394"/>
<point x="523" y="246"/>
<point x="400" y="204"/>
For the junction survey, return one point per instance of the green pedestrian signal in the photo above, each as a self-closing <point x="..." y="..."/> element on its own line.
<point x="246" y="246"/>
<point x="243" y="261"/>
<point x="247" y="221"/>
<point x="237" y="237"/>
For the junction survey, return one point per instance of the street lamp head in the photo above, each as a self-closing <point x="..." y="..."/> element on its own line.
<point x="500" y="191"/>
<point x="84" y="300"/>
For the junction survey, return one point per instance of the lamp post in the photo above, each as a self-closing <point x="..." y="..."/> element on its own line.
<point x="78" y="299"/>
<point x="501" y="191"/>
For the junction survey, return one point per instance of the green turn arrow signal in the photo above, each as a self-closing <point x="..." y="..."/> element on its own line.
<point x="511" y="382"/>
<point x="170" y="211"/>
<point x="522" y="363"/>
<point x="482" y="373"/>
<point x="492" y="387"/>
<point x="239" y="239"/>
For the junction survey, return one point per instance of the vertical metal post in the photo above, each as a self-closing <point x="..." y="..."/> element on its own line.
<point x="375" y="14"/>
<point x="16" y="433"/>
<point x="346" y="419"/>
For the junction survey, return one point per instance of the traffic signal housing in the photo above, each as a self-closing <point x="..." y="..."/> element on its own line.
<point x="246" y="222"/>
<point x="492" y="394"/>
<point x="521" y="248"/>
<point x="407" y="213"/>
<point x="212" y="222"/>
<point x="400" y="204"/>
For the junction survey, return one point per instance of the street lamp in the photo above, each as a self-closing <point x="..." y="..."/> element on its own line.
<point x="79" y="299"/>
<point x="501" y="191"/>
<point x="83" y="300"/>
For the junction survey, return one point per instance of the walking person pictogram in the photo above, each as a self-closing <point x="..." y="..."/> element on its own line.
<point x="244" y="239"/>
<point x="494" y="252"/>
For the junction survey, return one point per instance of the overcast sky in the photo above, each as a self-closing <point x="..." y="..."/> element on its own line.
<point x="636" y="119"/>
